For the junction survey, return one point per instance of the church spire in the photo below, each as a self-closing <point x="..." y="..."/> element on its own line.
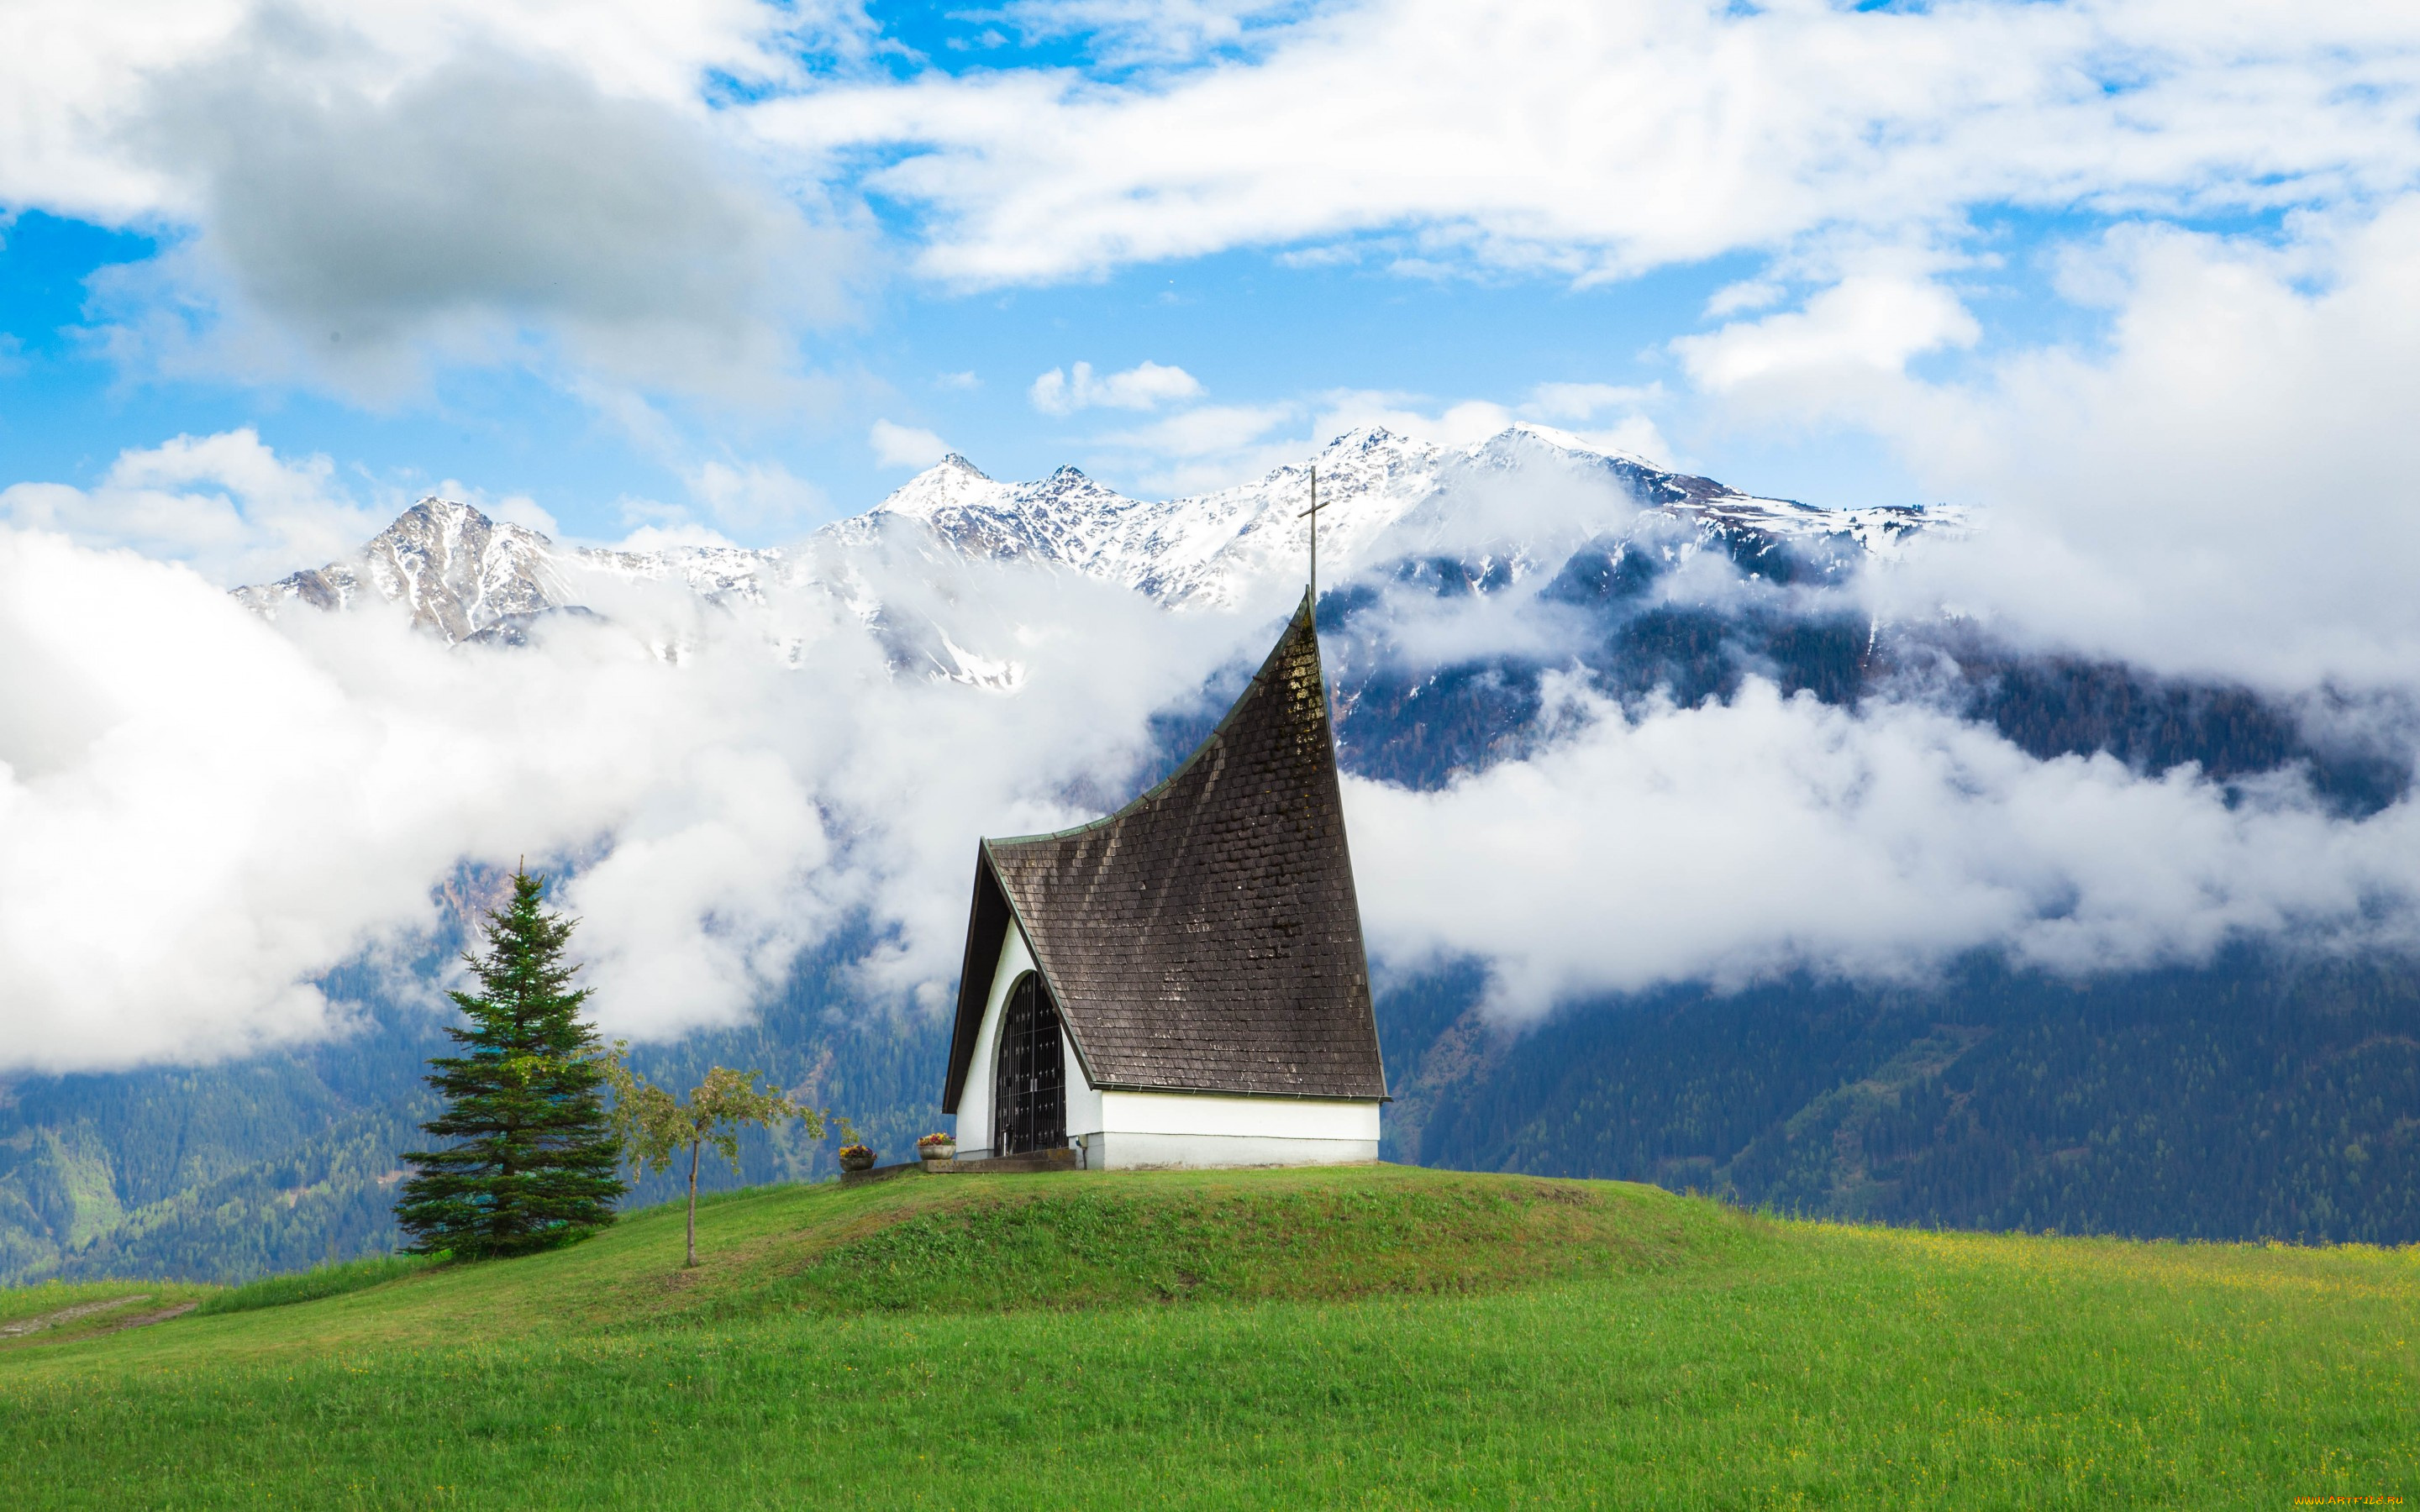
<point x="1313" y="515"/>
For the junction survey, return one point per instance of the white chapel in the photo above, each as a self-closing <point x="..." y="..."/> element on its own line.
<point x="1182" y="983"/>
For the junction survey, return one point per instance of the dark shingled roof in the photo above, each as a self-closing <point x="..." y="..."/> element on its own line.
<point x="1205" y="938"/>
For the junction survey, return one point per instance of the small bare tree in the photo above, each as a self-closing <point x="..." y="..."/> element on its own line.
<point x="654" y="1125"/>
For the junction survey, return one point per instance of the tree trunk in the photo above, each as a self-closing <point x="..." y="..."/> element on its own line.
<point x="693" y="1148"/>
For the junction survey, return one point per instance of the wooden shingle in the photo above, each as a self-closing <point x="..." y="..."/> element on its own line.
<point x="1205" y="938"/>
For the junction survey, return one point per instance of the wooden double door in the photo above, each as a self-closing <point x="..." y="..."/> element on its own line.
<point x="1030" y="1092"/>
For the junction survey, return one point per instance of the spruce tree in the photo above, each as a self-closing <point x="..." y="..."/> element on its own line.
<point x="535" y="1161"/>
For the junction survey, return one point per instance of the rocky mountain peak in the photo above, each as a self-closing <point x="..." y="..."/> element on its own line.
<point x="953" y="483"/>
<point x="464" y="575"/>
<point x="454" y="570"/>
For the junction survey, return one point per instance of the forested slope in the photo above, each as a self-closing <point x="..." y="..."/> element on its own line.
<point x="2250" y="1099"/>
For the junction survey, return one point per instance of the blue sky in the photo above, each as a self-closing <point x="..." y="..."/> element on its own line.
<point x="740" y="268"/>
<point x="1252" y="330"/>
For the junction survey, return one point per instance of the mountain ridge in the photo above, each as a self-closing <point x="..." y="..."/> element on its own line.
<point x="462" y="575"/>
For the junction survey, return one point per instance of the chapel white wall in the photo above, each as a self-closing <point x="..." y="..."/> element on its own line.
<point x="1206" y="1152"/>
<point x="974" y="1098"/>
<point x="1203" y="1113"/>
<point x="1204" y="1131"/>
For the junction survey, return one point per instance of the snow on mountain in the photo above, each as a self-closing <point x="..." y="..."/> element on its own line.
<point x="1212" y="548"/>
<point x="1066" y="517"/>
<point x="1381" y="496"/>
<point x="1204" y="550"/>
<point x="462" y="575"/>
<point x="1879" y="530"/>
<point x="713" y="572"/>
<point x="457" y="571"/>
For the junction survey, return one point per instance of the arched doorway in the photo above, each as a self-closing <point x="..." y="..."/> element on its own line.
<point x="1029" y="1094"/>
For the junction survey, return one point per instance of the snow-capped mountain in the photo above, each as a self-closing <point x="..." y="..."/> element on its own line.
<point x="1211" y="547"/>
<point x="1381" y="496"/>
<point x="457" y="570"/>
<point x="465" y="576"/>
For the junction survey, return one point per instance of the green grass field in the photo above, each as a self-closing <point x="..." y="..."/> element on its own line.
<point x="1362" y="1337"/>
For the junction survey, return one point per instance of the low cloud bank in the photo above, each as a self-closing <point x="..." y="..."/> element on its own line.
<point x="200" y="811"/>
<point x="1726" y="841"/>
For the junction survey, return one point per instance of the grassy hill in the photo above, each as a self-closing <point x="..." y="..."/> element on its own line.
<point x="1375" y="1336"/>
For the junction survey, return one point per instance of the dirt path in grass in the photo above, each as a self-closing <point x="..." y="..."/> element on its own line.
<point x="68" y="1315"/>
<point x="147" y="1318"/>
<point x="26" y="1326"/>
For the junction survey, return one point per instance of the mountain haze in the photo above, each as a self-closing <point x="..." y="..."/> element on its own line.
<point x="1528" y="631"/>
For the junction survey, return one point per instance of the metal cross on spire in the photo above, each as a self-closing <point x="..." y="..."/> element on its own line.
<point x="1313" y="515"/>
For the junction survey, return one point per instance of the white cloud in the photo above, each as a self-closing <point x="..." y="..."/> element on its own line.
<point x="1726" y="842"/>
<point x="1210" y="430"/>
<point x="755" y="497"/>
<point x="351" y="197"/>
<point x="370" y="192"/>
<point x="1859" y="327"/>
<point x="225" y="505"/>
<point x="1123" y="32"/>
<point x="2217" y="485"/>
<point x="1454" y="424"/>
<point x="421" y="182"/>
<point x="1632" y="436"/>
<point x="1206" y="447"/>
<point x="905" y="446"/>
<point x="1584" y="401"/>
<point x="82" y="74"/>
<point x="1212" y="446"/>
<point x="1748" y="294"/>
<point x="512" y="509"/>
<point x="670" y="533"/>
<point x="1610" y="416"/>
<point x="269" y="800"/>
<point x="1330" y="257"/>
<point x="1593" y="140"/>
<point x="1144" y="386"/>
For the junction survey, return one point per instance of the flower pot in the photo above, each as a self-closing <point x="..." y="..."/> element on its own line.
<point x="939" y="1160"/>
<point x="857" y="1160"/>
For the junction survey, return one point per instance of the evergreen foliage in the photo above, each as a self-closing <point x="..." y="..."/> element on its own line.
<point x="2257" y="1097"/>
<point x="273" y="1163"/>
<point x="535" y="1166"/>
